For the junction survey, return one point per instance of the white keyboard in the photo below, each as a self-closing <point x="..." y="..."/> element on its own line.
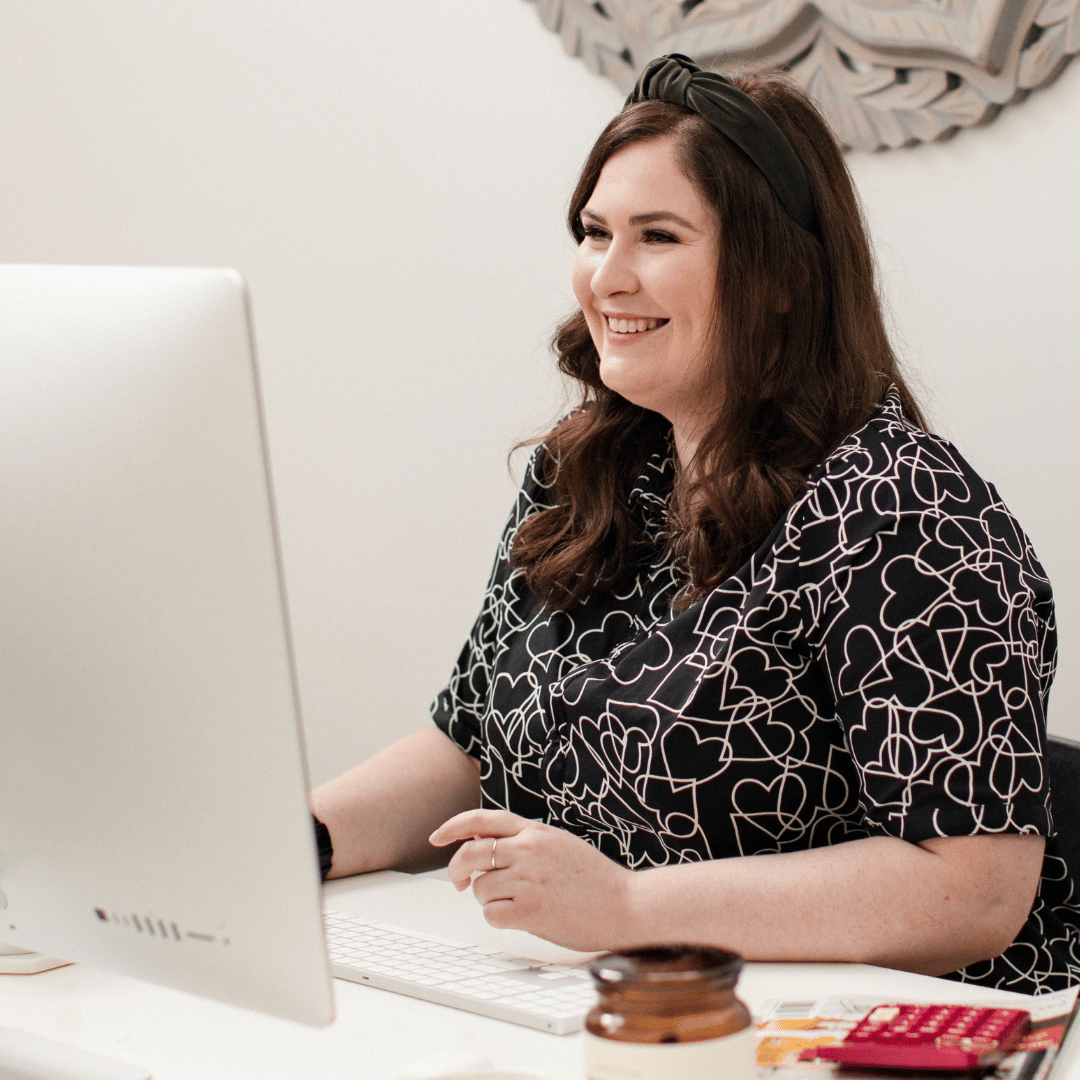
<point x="551" y="997"/>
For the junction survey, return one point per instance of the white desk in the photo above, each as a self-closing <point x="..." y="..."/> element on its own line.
<point x="377" y="1035"/>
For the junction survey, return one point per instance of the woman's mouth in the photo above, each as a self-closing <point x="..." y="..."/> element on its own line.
<point x="630" y="325"/>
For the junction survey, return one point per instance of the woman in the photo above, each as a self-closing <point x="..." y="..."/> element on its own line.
<point x="745" y="605"/>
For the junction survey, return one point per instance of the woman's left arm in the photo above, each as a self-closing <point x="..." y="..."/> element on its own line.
<point x="930" y="907"/>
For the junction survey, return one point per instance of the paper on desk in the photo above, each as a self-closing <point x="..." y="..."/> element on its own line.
<point x="791" y="1027"/>
<point x="434" y="906"/>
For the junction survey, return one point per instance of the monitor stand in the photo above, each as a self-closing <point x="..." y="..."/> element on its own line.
<point x="16" y="961"/>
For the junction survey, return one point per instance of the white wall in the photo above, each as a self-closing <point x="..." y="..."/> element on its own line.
<point x="391" y="179"/>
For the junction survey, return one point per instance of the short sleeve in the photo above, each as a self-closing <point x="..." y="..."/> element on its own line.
<point x="460" y="708"/>
<point x="933" y="620"/>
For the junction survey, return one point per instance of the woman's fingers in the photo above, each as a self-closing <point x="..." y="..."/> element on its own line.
<point x="476" y="823"/>
<point x="473" y="857"/>
<point x="481" y="831"/>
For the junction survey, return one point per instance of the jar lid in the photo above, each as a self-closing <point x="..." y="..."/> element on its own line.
<point x="672" y="965"/>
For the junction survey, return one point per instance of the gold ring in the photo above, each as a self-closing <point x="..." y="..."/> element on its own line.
<point x="494" y="844"/>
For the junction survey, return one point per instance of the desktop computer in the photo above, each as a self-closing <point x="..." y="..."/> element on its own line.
<point x="153" y="789"/>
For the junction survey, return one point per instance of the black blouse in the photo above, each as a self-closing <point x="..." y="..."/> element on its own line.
<point x="880" y="666"/>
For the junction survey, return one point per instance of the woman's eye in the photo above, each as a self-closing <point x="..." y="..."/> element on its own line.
<point x="594" y="232"/>
<point x="654" y="236"/>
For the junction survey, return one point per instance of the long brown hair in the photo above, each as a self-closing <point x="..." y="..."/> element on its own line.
<point x="799" y="358"/>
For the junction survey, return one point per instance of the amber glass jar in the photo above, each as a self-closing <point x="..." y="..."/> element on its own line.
<point x="669" y="1013"/>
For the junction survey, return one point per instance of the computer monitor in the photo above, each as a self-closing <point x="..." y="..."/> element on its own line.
<point x="153" y="789"/>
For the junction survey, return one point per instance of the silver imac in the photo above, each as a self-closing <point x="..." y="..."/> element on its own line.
<point x="153" y="810"/>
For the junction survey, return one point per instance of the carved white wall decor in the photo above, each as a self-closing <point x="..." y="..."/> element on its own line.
<point x="886" y="73"/>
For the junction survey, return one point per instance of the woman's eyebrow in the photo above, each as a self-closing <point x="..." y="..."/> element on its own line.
<point x="645" y="219"/>
<point x="662" y="215"/>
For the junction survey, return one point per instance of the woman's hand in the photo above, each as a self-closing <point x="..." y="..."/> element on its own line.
<point x="544" y="880"/>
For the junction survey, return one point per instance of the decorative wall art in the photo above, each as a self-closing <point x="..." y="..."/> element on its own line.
<point x="887" y="73"/>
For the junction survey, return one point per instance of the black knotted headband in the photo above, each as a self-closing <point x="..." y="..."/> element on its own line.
<point x="677" y="80"/>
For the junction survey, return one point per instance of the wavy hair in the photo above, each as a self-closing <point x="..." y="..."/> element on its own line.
<point x="798" y="356"/>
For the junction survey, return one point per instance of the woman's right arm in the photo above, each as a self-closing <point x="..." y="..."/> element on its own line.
<point x="381" y="813"/>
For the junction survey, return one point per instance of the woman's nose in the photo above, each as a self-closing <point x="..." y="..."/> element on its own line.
<point x="615" y="273"/>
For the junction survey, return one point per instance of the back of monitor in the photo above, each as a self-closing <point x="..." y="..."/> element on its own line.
<point x="153" y="815"/>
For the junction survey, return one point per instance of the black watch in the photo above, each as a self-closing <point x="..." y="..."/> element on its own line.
<point x="326" y="849"/>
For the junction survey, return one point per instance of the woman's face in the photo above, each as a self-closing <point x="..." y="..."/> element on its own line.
<point x="645" y="276"/>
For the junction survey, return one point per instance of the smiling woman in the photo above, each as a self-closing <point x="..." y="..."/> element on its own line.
<point x="786" y="353"/>
<point x="745" y="604"/>
<point x="645" y="277"/>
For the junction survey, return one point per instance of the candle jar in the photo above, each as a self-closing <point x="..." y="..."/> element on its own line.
<point x="669" y="1013"/>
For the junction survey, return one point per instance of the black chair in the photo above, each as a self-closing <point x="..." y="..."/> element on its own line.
<point x="1063" y="758"/>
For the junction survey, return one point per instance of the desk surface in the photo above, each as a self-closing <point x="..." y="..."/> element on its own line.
<point x="377" y="1035"/>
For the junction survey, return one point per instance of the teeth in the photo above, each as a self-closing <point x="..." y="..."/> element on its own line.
<point x="632" y="326"/>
